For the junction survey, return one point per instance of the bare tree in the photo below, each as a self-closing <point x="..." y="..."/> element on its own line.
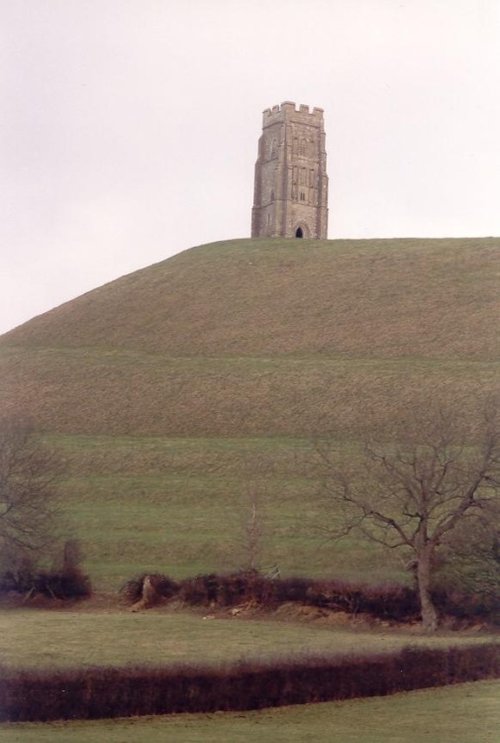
<point x="413" y="494"/>
<point x="253" y="527"/>
<point x="263" y="484"/>
<point x="28" y="493"/>
<point x="471" y="555"/>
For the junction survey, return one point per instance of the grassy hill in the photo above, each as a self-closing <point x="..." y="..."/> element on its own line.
<point x="178" y="390"/>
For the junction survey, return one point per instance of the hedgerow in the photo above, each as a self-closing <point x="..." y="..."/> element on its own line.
<point x="95" y="693"/>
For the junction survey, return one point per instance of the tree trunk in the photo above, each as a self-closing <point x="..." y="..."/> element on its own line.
<point x="428" y="611"/>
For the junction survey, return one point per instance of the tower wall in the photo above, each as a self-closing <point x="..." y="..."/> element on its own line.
<point x="291" y="184"/>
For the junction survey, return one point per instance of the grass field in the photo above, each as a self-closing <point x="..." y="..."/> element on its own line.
<point x="142" y="504"/>
<point x="255" y="298"/>
<point x="178" y="390"/>
<point x="466" y="713"/>
<point x="264" y="338"/>
<point x="53" y="639"/>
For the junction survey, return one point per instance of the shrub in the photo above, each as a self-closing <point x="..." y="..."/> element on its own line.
<point x="201" y="590"/>
<point x="62" y="584"/>
<point x="387" y="601"/>
<point x="66" y="581"/>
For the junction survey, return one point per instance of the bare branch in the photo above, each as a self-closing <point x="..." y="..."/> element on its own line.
<point x="414" y="493"/>
<point x="28" y="490"/>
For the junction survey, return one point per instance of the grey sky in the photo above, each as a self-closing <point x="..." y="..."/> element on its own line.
<point x="129" y="127"/>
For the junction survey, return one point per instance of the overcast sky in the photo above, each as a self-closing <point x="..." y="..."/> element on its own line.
<point x="129" y="128"/>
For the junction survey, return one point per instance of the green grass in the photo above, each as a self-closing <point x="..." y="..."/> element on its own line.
<point x="275" y="297"/>
<point x="55" y="639"/>
<point x="467" y="713"/>
<point x="174" y="390"/>
<point x="143" y="504"/>
<point x="90" y="391"/>
<point x="79" y="638"/>
<point x="51" y="639"/>
<point x="264" y="337"/>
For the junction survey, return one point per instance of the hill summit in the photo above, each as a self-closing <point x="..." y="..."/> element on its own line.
<point x="263" y="337"/>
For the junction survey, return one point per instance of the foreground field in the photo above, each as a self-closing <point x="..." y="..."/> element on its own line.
<point x="465" y="713"/>
<point x="48" y="639"/>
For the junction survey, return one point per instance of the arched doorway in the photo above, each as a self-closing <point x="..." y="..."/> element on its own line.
<point x="298" y="232"/>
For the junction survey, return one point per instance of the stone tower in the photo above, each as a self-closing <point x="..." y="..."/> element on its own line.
<point x="291" y="184"/>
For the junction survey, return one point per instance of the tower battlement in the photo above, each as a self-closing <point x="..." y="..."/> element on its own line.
<point x="289" y="109"/>
<point x="291" y="184"/>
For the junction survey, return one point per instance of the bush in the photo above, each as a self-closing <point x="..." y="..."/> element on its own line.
<point x="468" y="605"/>
<point x="202" y="590"/>
<point x="72" y="584"/>
<point x="67" y="581"/>
<point x="392" y="602"/>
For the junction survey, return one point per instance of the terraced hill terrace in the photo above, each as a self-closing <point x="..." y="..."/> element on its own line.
<point x="179" y="390"/>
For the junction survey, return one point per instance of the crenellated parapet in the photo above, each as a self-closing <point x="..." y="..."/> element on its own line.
<point x="290" y="111"/>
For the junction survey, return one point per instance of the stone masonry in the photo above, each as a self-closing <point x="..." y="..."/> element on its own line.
<point x="291" y="184"/>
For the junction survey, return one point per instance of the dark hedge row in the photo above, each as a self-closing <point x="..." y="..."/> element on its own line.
<point x="387" y="601"/>
<point x="56" y="584"/>
<point x="106" y="692"/>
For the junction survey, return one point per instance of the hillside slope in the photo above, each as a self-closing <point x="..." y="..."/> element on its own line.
<point x="264" y="337"/>
<point x="383" y="298"/>
<point x="182" y="390"/>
